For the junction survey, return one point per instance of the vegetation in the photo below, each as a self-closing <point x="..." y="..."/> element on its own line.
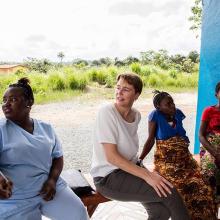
<point x="61" y="55"/>
<point x="52" y="81"/>
<point x="196" y="17"/>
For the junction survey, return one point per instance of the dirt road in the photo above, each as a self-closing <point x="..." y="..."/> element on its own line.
<point x="74" y="121"/>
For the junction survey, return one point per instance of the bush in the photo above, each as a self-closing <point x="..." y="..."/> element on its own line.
<point x="136" y="68"/>
<point x="173" y="74"/>
<point x="154" y="81"/>
<point x="56" y="82"/>
<point x="20" y="72"/>
<point x="170" y="82"/>
<point x="145" y="81"/>
<point x="38" y="83"/>
<point x="41" y="65"/>
<point x="110" y="81"/>
<point x="187" y="66"/>
<point x="82" y="82"/>
<point x="72" y="82"/>
<point x="98" y="76"/>
<point x="145" y="71"/>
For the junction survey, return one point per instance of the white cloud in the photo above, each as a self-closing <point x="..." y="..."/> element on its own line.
<point x="93" y="29"/>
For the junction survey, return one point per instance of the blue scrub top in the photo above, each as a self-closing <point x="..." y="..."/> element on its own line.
<point x="26" y="159"/>
<point x="164" y="130"/>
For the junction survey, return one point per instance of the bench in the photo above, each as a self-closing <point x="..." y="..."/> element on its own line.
<point x="93" y="200"/>
<point x="76" y="180"/>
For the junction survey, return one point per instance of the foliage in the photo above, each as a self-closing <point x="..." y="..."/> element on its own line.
<point x="194" y="56"/>
<point x="156" y="68"/>
<point x="80" y="63"/>
<point x="162" y="59"/>
<point x="147" y="57"/>
<point x="187" y="66"/>
<point x="39" y="65"/>
<point x="61" y="56"/>
<point x="196" y="17"/>
<point x="136" y="68"/>
<point x="129" y="60"/>
<point x="56" y="81"/>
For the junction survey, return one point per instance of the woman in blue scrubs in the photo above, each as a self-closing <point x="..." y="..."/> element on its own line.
<point x="31" y="159"/>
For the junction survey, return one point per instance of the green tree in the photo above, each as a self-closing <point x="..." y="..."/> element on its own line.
<point x="193" y="56"/>
<point x="129" y="60"/>
<point x="161" y="58"/>
<point x="96" y="63"/>
<point x="188" y="66"/>
<point x="118" y="62"/>
<point x="80" y="62"/>
<point x="147" y="57"/>
<point x="40" y="65"/>
<point x="61" y="55"/>
<point x="105" y="61"/>
<point x="196" y="17"/>
<point x="177" y="59"/>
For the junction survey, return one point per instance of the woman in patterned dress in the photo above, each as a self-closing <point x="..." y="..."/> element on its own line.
<point x="173" y="160"/>
<point x="209" y="136"/>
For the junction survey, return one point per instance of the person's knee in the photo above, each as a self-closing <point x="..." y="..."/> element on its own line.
<point x="79" y="211"/>
<point x="82" y="212"/>
<point x="66" y="205"/>
<point x="174" y="196"/>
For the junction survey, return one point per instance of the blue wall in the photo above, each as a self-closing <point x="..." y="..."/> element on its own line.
<point x="209" y="60"/>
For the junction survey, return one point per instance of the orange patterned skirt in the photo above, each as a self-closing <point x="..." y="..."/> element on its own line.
<point x="173" y="160"/>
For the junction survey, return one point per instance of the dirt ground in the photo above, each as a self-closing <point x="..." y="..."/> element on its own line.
<point x="74" y="121"/>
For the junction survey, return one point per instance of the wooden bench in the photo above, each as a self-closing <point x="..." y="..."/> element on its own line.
<point x="92" y="201"/>
<point x="76" y="179"/>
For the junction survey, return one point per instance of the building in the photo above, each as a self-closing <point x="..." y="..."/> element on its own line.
<point x="7" y="68"/>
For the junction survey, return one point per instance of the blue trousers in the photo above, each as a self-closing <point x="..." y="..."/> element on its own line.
<point x="65" y="206"/>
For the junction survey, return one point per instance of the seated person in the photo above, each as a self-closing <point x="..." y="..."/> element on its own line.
<point x="114" y="169"/>
<point x="172" y="157"/>
<point x="209" y="136"/>
<point x="31" y="159"/>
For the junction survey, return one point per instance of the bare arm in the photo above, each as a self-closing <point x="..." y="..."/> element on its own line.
<point x="203" y="139"/>
<point x="150" y="140"/>
<point x="160" y="184"/>
<point x="49" y="187"/>
<point x="56" y="168"/>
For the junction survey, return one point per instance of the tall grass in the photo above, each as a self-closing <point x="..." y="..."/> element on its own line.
<point x="64" y="82"/>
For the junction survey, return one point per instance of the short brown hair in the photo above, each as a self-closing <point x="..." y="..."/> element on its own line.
<point x="132" y="79"/>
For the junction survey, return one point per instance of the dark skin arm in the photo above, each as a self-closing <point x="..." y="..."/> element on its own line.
<point x="150" y="140"/>
<point x="48" y="189"/>
<point x="207" y="144"/>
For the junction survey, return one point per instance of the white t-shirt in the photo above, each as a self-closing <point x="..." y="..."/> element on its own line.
<point x="111" y="128"/>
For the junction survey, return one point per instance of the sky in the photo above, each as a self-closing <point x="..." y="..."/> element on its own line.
<point x="91" y="29"/>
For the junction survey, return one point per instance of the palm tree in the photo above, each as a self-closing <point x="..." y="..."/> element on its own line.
<point x="61" y="56"/>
